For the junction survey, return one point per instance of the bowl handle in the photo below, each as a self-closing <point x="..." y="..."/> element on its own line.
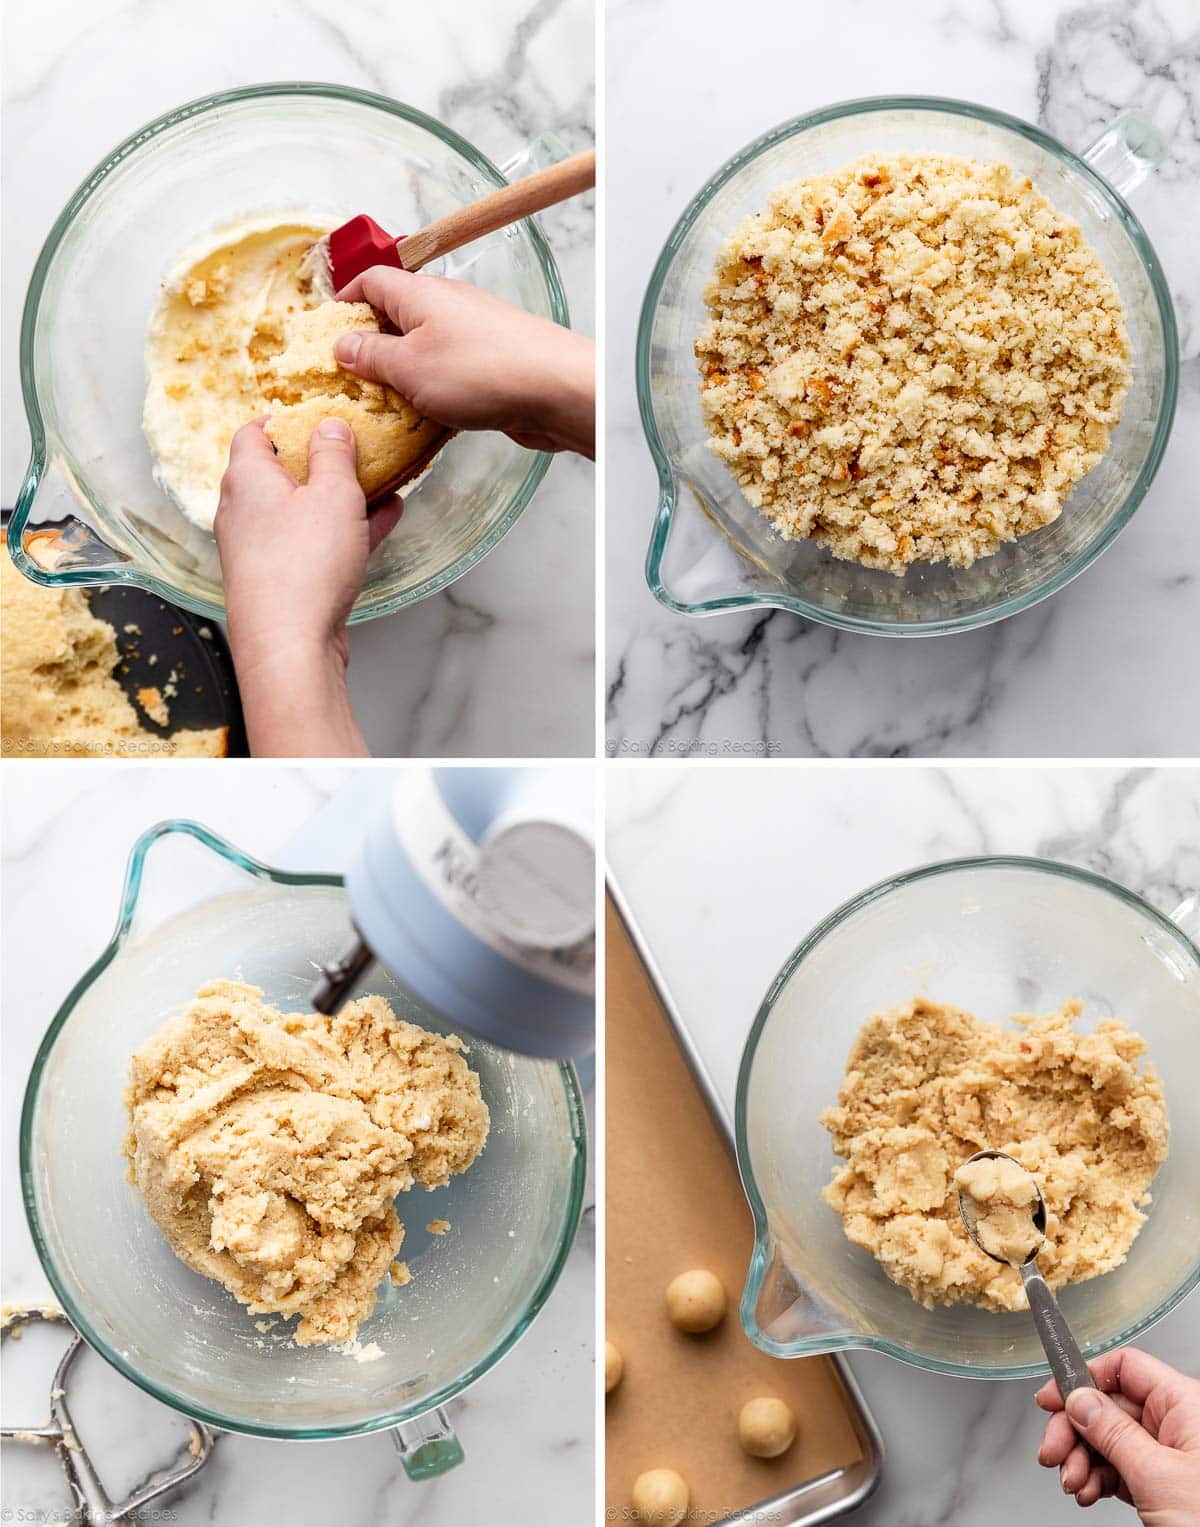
<point x="545" y="150"/>
<point x="1127" y="151"/>
<point x="427" y="1445"/>
<point x="1187" y="916"/>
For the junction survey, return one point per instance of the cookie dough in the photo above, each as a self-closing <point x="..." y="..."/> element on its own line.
<point x="913" y="359"/>
<point x="660" y="1495"/>
<point x="1004" y="1197"/>
<point x="766" y="1427"/>
<point x="696" y="1301"/>
<point x="237" y="334"/>
<point x="927" y="1086"/>
<point x="614" y="1366"/>
<point x="269" y="1147"/>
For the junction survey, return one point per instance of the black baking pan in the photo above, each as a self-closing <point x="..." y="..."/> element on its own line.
<point x="171" y="650"/>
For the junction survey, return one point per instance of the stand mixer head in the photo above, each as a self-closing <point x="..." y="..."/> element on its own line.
<point x="475" y="888"/>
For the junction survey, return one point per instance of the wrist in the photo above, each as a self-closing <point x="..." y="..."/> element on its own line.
<point x="558" y="402"/>
<point x="295" y="697"/>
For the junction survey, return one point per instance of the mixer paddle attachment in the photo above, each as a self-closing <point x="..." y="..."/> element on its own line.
<point x="339" y="978"/>
<point x="92" y="1502"/>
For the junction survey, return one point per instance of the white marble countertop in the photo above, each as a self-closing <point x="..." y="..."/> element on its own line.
<point x="1089" y="672"/>
<point x="527" y="1427"/>
<point x="502" y="663"/>
<point x="696" y="851"/>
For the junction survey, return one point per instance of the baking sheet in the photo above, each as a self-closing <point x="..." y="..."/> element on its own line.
<point x="673" y="1201"/>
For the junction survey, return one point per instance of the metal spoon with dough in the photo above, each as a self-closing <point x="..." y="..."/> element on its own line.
<point x="1004" y="1213"/>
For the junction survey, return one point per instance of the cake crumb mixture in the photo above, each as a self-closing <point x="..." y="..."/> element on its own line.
<point x="914" y="359"/>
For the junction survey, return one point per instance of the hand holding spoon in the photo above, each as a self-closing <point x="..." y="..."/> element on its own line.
<point x="1007" y="1222"/>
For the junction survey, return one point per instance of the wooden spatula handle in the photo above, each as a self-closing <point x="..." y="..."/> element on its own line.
<point x="508" y="205"/>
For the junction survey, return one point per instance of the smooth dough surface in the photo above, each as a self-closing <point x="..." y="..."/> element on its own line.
<point x="269" y="1147"/>
<point x="766" y="1426"/>
<point x="927" y="1086"/>
<point x="660" y="1495"/>
<point x="696" y="1300"/>
<point x="237" y="334"/>
<point x="614" y="1366"/>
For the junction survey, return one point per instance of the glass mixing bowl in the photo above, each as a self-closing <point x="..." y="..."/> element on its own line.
<point x="995" y="936"/>
<point x="181" y="1337"/>
<point x="712" y="551"/>
<point x="89" y="510"/>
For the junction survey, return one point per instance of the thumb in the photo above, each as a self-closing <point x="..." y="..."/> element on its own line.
<point x="332" y="454"/>
<point x="1114" y="1434"/>
<point x="251" y="455"/>
<point x="374" y="357"/>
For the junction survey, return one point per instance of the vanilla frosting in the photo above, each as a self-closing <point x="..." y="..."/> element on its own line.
<point x="219" y="320"/>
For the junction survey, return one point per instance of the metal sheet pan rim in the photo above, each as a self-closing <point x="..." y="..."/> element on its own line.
<point x="861" y="1479"/>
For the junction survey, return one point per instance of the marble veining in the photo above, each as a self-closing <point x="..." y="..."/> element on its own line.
<point x="726" y="869"/>
<point x="527" y="1426"/>
<point x="1091" y="672"/>
<point x="515" y="675"/>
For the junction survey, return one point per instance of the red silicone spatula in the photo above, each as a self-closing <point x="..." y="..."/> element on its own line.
<point x="357" y="245"/>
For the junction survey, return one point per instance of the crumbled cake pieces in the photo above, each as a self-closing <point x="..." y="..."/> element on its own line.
<point x="152" y="701"/>
<point x="912" y="360"/>
<point x="61" y="699"/>
<point x="304" y="384"/>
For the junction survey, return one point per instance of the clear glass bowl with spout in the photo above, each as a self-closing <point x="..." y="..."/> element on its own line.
<point x="995" y="936"/>
<point x="181" y="1337"/>
<point x="89" y="511"/>
<point x="712" y="551"/>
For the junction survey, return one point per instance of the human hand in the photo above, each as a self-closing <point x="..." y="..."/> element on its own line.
<point x="1143" y="1418"/>
<point x="470" y="361"/>
<point x="293" y="560"/>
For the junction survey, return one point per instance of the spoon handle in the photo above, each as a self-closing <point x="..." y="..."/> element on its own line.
<point x="1061" y="1348"/>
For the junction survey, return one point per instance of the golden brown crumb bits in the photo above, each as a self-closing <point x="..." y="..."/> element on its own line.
<point x="912" y="360"/>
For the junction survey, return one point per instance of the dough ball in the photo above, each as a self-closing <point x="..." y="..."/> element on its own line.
<point x="696" y="1301"/>
<point x="614" y="1366"/>
<point x="660" y="1495"/>
<point x="766" y="1427"/>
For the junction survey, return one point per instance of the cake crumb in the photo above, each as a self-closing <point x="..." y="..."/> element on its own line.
<point x="155" y="706"/>
<point x="913" y="359"/>
<point x="438" y="1226"/>
<point x="361" y="1352"/>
